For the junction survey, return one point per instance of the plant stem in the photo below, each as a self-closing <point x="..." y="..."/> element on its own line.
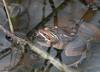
<point x="8" y="15"/>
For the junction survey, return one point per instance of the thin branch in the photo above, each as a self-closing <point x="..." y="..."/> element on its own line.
<point x="5" y="53"/>
<point x="44" y="9"/>
<point x="8" y="15"/>
<point x="56" y="14"/>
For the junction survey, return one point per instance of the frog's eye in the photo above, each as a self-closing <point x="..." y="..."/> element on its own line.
<point x="46" y="28"/>
<point x="8" y="38"/>
<point x="72" y="34"/>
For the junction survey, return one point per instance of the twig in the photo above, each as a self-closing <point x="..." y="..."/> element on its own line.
<point x="44" y="9"/>
<point x="9" y="19"/>
<point x="56" y="14"/>
<point x="5" y="53"/>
